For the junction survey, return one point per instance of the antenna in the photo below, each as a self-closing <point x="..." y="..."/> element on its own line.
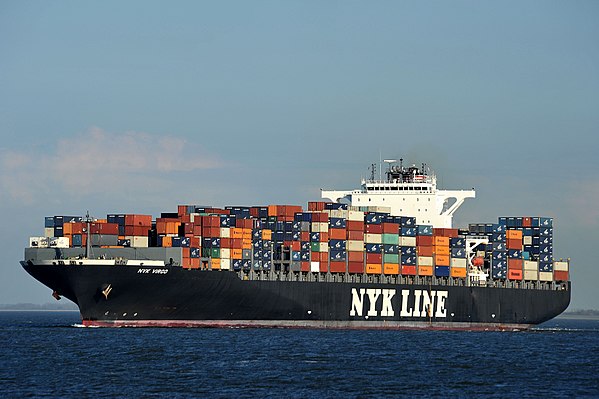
<point x="372" y="171"/>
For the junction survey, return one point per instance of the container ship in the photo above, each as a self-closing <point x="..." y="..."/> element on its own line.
<point x="384" y="256"/>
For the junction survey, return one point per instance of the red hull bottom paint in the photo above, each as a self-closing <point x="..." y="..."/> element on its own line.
<point x="341" y="325"/>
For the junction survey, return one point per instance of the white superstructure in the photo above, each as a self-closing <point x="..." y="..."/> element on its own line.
<point x="407" y="191"/>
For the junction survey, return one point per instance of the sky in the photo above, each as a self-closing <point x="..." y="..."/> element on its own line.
<point x="140" y="106"/>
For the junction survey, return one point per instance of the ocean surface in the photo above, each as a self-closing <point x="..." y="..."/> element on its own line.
<point x="49" y="354"/>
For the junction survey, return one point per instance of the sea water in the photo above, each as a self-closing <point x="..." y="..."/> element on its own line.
<point x="49" y="354"/>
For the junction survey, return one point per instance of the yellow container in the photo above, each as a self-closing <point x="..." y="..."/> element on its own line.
<point x="425" y="270"/>
<point x="374" y="268"/>
<point x="391" y="268"/>
<point x="459" y="272"/>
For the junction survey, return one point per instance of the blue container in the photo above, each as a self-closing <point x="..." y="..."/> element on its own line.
<point x="337" y="223"/>
<point x="514" y="254"/>
<point x="374" y="248"/>
<point x="546" y="222"/>
<point x="176" y="242"/>
<point x="338" y="255"/>
<point x="545" y="232"/>
<point x="246" y="264"/>
<point x="545" y="258"/>
<point x="408" y="232"/>
<point x="546" y="249"/>
<point x="195" y="253"/>
<point x="499" y="273"/>
<point x="390" y="249"/>
<point x="407" y="221"/>
<point x="499" y="246"/>
<point x="296" y="236"/>
<point x="49" y="221"/>
<point x="525" y="255"/>
<point x="498" y="264"/>
<point x="288" y="227"/>
<point x="315" y="237"/>
<point x="457" y="242"/>
<point x="78" y="241"/>
<point x="527" y="231"/>
<point x="257" y="264"/>
<point x="338" y="245"/>
<point x="545" y="266"/>
<point x="545" y="240"/>
<point x="278" y="236"/>
<point x="295" y="256"/>
<point x="408" y="260"/>
<point x="266" y="265"/>
<point x="498" y="237"/>
<point x="257" y="244"/>
<point x="502" y="220"/>
<point x="266" y="254"/>
<point x="442" y="271"/>
<point x="225" y="221"/>
<point x="236" y="264"/>
<point x="256" y="234"/>
<point x="408" y="250"/>
<point x="305" y="246"/>
<point x="215" y="242"/>
<point x="267" y="244"/>
<point x="333" y="206"/>
<point x="373" y="217"/>
<point x="206" y="242"/>
<point x="257" y="254"/>
<point x="458" y="253"/>
<point x="498" y="228"/>
<point x="424" y="230"/>
<point x="499" y="255"/>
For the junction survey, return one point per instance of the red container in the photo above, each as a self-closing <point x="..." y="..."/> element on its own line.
<point x="390" y="228"/>
<point x="514" y="264"/>
<point x="373" y="229"/>
<point x="324" y="257"/>
<point x="354" y="225"/>
<point x="355" y="256"/>
<point x="514" y="274"/>
<point x="337" y="234"/>
<point x="560" y="275"/>
<point x="514" y="243"/>
<point x="305" y="266"/>
<point x="355" y="235"/>
<point x="138" y="220"/>
<point x="337" y="267"/>
<point x="296" y="246"/>
<point x="324" y="266"/>
<point x="316" y="206"/>
<point x="305" y="236"/>
<point x="424" y="250"/>
<point x="526" y="222"/>
<point x="355" y="267"/>
<point x="374" y="258"/>
<point x="225" y="243"/>
<point x="408" y="270"/>
<point x="197" y="231"/>
<point x="424" y="241"/>
<point x="324" y="236"/>
<point x="236" y="243"/>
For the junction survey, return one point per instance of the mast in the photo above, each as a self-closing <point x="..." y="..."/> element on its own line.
<point x="88" y="244"/>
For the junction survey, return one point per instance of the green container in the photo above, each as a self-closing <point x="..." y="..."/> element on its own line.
<point x="215" y="253"/>
<point x="206" y="253"/>
<point x="391" y="239"/>
<point x="315" y="246"/>
<point x="391" y="258"/>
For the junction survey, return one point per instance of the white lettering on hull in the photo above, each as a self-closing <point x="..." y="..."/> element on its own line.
<point x="414" y="303"/>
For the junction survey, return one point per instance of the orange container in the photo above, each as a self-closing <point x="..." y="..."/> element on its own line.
<point x="337" y="267"/>
<point x="246" y="243"/>
<point x="408" y="270"/>
<point x="195" y="263"/>
<point x="441" y="260"/>
<point x="215" y="263"/>
<point x="514" y="274"/>
<point x="374" y="268"/>
<point x="440" y="250"/>
<point x="425" y="270"/>
<point x="424" y="250"/>
<point x="458" y="272"/>
<point x="236" y="253"/>
<point x="390" y="268"/>
<point x="441" y="241"/>
<point x="514" y="234"/>
<point x="167" y="242"/>
<point x="267" y="234"/>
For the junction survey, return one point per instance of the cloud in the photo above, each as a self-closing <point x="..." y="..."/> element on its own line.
<point x="99" y="161"/>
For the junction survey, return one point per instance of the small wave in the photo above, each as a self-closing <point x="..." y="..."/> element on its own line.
<point x="563" y="329"/>
<point x="77" y="325"/>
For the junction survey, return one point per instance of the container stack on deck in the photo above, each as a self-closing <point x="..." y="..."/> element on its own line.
<point x="327" y="238"/>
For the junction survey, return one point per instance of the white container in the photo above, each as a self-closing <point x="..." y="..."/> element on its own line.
<point x="59" y="242"/>
<point x="560" y="266"/>
<point x="353" y="245"/>
<point x="531" y="275"/>
<point x="373" y="238"/>
<point x="225" y="253"/>
<point x="225" y="263"/>
<point x="355" y="216"/>
<point x="225" y="232"/>
<point x="138" y="241"/>
<point x="425" y="260"/>
<point x="407" y="241"/>
<point x="49" y="232"/>
<point x="458" y="262"/>
<point x="315" y="267"/>
<point x="338" y="213"/>
<point x="527" y="240"/>
<point x="38" y="242"/>
<point x="531" y="265"/>
<point x="546" y="276"/>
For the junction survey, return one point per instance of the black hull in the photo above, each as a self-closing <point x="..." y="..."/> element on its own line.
<point x="179" y="297"/>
